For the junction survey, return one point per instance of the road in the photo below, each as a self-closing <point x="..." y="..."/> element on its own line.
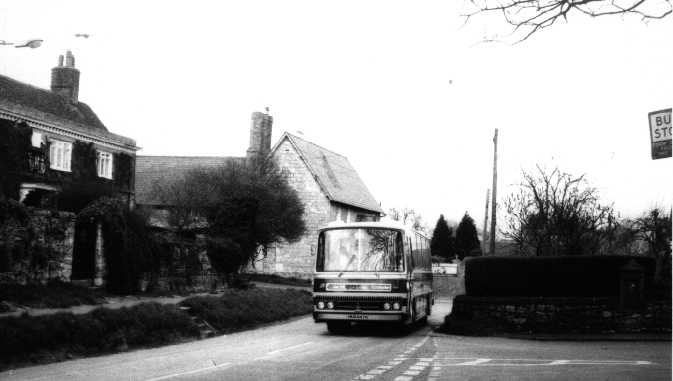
<point x="302" y="350"/>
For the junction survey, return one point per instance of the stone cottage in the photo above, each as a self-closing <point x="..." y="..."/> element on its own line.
<point x="327" y="184"/>
<point x="51" y="144"/>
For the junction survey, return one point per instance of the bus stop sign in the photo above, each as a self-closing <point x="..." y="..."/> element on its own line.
<point x="660" y="133"/>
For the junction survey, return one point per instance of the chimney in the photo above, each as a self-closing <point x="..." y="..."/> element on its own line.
<point x="260" y="134"/>
<point x="65" y="78"/>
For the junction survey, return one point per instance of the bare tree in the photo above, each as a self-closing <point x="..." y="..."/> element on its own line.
<point x="408" y="216"/>
<point x="526" y="17"/>
<point x="655" y="228"/>
<point x="556" y="213"/>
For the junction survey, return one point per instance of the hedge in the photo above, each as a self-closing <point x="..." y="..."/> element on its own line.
<point x="241" y="309"/>
<point x="30" y="338"/>
<point x="550" y="276"/>
<point x="54" y="294"/>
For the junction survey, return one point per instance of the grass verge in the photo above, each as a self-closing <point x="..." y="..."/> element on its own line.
<point x="38" y="339"/>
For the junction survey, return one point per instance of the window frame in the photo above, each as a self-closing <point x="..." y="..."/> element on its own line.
<point x="60" y="155"/>
<point x="99" y="160"/>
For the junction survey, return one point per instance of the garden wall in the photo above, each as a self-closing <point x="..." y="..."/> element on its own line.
<point x="562" y="314"/>
<point x="184" y="264"/>
<point x="48" y="255"/>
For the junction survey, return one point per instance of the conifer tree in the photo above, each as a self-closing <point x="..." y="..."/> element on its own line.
<point x="441" y="244"/>
<point x="467" y="241"/>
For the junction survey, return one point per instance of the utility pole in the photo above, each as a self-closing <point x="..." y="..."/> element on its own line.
<point x="495" y="191"/>
<point x="483" y="234"/>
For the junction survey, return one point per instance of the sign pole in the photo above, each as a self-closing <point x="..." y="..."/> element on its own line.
<point x="495" y="192"/>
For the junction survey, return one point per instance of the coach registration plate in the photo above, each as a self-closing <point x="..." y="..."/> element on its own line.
<point x="358" y="316"/>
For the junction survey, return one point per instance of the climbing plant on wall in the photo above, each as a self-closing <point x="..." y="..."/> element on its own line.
<point x="15" y="233"/>
<point x="14" y="147"/>
<point x="123" y="170"/>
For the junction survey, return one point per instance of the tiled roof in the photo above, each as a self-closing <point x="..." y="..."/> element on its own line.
<point x="47" y="107"/>
<point x="155" y="169"/>
<point x="335" y="174"/>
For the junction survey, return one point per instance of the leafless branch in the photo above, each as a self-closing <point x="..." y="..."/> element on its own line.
<point x="527" y="17"/>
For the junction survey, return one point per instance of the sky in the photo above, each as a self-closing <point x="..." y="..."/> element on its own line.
<point x="405" y="89"/>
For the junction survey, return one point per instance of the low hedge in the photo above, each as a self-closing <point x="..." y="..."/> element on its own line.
<point x="54" y="294"/>
<point x="36" y="338"/>
<point x="550" y="276"/>
<point x="273" y="278"/>
<point x="236" y="310"/>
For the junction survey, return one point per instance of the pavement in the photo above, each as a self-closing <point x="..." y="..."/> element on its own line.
<point x="300" y="349"/>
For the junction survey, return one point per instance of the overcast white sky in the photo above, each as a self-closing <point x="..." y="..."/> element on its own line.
<point x="398" y="87"/>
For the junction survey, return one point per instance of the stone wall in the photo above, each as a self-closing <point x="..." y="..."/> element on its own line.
<point x="552" y="315"/>
<point x="49" y="255"/>
<point x="185" y="265"/>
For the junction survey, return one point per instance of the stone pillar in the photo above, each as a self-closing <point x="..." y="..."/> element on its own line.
<point x="100" y="258"/>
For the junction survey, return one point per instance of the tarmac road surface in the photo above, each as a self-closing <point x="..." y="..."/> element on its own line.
<point x="302" y="350"/>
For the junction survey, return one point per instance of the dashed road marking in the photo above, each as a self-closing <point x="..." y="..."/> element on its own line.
<point x="397" y="360"/>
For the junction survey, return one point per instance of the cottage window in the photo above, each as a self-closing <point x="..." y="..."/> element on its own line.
<point x="59" y="155"/>
<point x="104" y="164"/>
<point x="37" y="139"/>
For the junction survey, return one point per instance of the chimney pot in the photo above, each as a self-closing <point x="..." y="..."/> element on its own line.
<point x="69" y="59"/>
<point x="65" y="79"/>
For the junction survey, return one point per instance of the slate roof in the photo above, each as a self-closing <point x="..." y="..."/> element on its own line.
<point x="151" y="169"/>
<point x="335" y="174"/>
<point x="44" y="106"/>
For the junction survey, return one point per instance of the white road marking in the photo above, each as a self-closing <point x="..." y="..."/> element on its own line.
<point x="288" y="348"/>
<point x="399" y="359"/>
<point x="451" y="361"/>
<point x="558" y="362"/>
<point x="474" y="362"/>
<point x="208" y="368"/>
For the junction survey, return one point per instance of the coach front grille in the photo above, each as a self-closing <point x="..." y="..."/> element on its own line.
<point x="362" y="303"/>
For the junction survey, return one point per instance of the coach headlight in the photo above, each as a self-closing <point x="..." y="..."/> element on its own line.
<point x="386" y="306"/>
<point x="330" y="305"/>
<point x="396" y="306"/>
<point x="321" y="305"/>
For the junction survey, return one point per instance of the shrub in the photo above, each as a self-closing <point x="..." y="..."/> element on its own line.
<point x="102" y="330"/>
<point x="241" y="309"/>
<point x="550" y="276"/>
